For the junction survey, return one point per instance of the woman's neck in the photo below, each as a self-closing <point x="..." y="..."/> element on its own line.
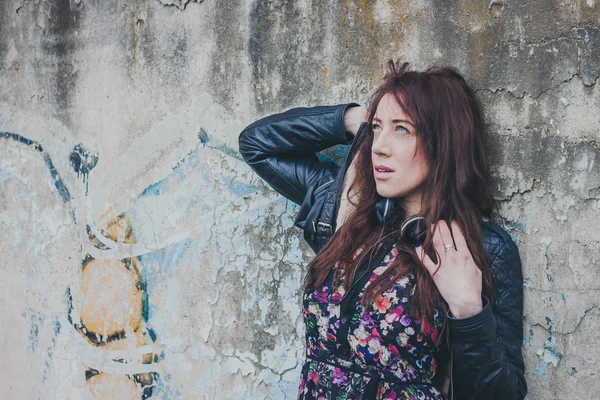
<point x="411" y="204"/>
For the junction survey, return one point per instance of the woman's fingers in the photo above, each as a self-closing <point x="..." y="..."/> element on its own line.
<point x="445" y="241"/>
<point x="459" y="237"/>
<point x="427" y="262"/>
<point x="442" y="239"/>
<point x="446" y="236"/>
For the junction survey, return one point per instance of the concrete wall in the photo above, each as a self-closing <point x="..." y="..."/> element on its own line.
<point x="142" y="258"/>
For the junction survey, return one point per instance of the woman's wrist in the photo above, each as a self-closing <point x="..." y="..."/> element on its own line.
<point x="480" y="327"/>
<point x="353" y="117"/>
<point x="467" y="311"/>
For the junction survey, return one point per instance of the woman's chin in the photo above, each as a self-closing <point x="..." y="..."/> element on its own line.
<point x="391" y="190"/>
<point x="387" y="193"/>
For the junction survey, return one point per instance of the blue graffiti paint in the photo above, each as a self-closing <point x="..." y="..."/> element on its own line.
<point x="564" y="298"/>
<point x="549" y="276"/>
<point x="529" y="341"/>
<point x="549" y="323"/>
<point x="526" y="283"/>
<point x="573" y="371"/>
<point x="158" y="267"/>
<point x="541" y="368"/>
<point x="164" y="388"/>
<point x="513" y="225"/>
<point x="203" y="136"/>
<point x="58" y="182"/>
<point x="550" y="352"/>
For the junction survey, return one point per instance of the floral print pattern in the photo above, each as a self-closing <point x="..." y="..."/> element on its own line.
<point x="380" y="352"/>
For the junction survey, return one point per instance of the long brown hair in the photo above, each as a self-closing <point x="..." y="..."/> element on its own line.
<point x="451" y="131"/>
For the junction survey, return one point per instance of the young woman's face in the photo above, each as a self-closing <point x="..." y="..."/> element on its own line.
<point x="399" y="164"/>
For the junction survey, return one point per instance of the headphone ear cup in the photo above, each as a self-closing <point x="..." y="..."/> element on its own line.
<point x="414" y="230"/>
<point x="384" y="208"/>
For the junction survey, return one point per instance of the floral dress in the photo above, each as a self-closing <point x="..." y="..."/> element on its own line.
<point x="381" y="352"/>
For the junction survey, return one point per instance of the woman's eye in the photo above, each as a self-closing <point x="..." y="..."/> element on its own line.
<point x="400" y="128"/>
<point x="375" y="126"/>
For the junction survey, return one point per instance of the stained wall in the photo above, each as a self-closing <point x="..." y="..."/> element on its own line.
<point x="141" y="258"/>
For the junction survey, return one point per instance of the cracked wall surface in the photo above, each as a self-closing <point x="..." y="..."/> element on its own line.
<point x="143" y="259"/>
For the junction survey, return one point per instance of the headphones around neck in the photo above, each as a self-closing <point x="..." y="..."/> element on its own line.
<point x="413" y="229"/>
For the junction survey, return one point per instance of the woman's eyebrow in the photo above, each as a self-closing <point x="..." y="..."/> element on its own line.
<point x="395" y="121"/>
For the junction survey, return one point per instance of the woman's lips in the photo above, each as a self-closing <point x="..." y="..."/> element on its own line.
<point x="382" y="172"/>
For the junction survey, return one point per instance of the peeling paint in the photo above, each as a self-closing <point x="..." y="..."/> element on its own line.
<point x="541" y="369"/>
<point x="549" y="354"/>
<point x="529" y="341"/>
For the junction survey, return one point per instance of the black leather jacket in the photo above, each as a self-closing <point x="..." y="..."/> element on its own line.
<point x="486" y="348"/>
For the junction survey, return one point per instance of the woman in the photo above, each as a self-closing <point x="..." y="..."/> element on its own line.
<point x="392" y="306"/>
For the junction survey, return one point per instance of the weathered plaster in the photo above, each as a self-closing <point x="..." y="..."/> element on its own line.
<point x="119" y="152"/>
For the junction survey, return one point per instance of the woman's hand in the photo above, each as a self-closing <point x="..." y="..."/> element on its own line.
<point x="353" y="117"/>
<point x="456" y="275"/>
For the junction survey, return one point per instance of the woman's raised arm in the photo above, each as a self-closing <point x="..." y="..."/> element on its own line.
<point x="281" y="148"/>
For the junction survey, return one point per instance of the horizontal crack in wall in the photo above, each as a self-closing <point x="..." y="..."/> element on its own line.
<point x="180" y="4"/>
<point x="543" y="91"/>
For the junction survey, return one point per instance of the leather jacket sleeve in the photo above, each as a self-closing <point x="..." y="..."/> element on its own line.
<point x="486" y="347"/>
<point x="281" y="148"/>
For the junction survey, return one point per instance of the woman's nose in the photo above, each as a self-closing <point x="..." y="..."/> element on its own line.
<point x="381" y="144"/>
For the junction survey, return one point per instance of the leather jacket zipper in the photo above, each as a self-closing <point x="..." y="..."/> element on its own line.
<point x="322" y="186"/>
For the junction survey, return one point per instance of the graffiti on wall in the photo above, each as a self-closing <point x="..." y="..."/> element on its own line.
<point x="124" y="308"/>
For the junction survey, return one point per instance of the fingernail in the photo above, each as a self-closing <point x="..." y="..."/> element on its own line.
<point x="418" y="245"/>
